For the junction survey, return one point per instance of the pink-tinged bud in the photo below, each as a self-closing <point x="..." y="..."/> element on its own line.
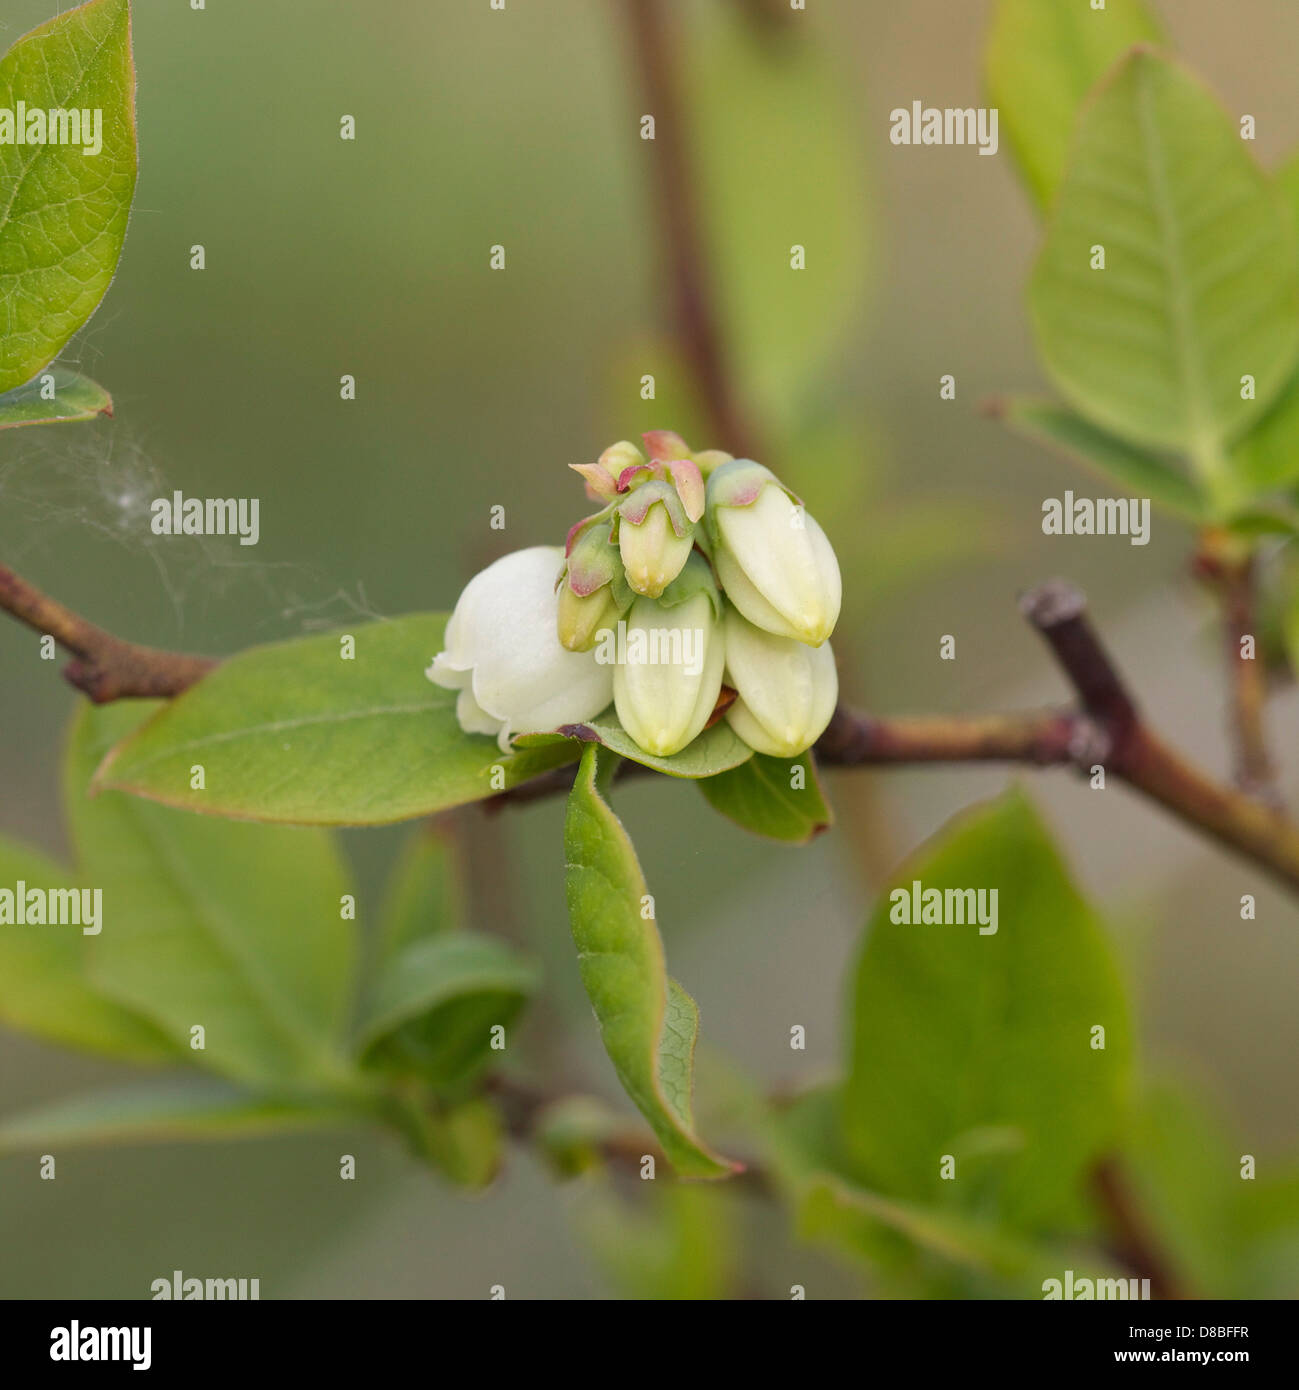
<point x="665" y="445"/>
<point x="711" y="459"/>
<point x="592" y="557"/>
<point x="785" y="690"/>
<point x="774" y="561"/>
<point x="601" y="485"/>
<point x="689" y="483"/>
<point x="655" y="537"/>
<point x="582" y="619"/>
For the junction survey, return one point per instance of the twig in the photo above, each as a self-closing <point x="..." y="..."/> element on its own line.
<point x="681" y="234"/>
<point x="1232" y="574"/>
<point x="104" y="667"/>
<point x="1106" y="731"/>
<point x="1134" y="1242"/>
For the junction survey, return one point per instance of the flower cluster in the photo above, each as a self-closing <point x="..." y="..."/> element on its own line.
<point x="701" y="588"/>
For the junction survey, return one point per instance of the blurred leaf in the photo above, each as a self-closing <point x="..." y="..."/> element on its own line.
<point x="959" y="1037"/>
<point x="1186" y="1184"/>
<point x="466" y="1143"/>
<point x="1141" y="474"/>
<point x="1227" y="1237"/>
<point x="1043" y="57"/>
<point x="76" y="397"/>
<point x="65" y="209"/>
<point x="434" y="1004"/>
<point x="1200" y="280"/>
<point x="919" y="1249"/>
<point x="715" y="750"/>
<point x="44" y="989"/>
<point x="779" y="164"/>
<point x="758" y="796"/>
<point x="292" y="732"/>
<point x="678" y="1242"/>
<point x="162" y="1112"/>
<point x="424" y="894"/>
<point x="570" y="1133"/>
<point x="1267" y="457"/>
<point x="236" y="928"/>
<point x="867" y="1225"/>
<point x="647" y="1021"/>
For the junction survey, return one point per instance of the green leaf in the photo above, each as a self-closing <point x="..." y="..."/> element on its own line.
<point x="1043" y="57"/>
<point x="434" y="1004"/>
<point x="1140" y="473"/>
<point x="869" y="1226"/>
<point x="63" y="210"/>
<point x="466" y="1143"/>
<point x="162" y="1112"/>
<point x="715" y="750"/>
<point x="44" y="986"/>
<point x="774" y="140"/>
<point x="76" y="397"/>
<point x="647" y="1021"/>
<point x="234" y="928"/>
<point x="980" y="1046"/>
<point x="424" y="894"/>
<point x="292" y="732"/>
<point x="758" y="795"/>
<point x="1267" y="458"/>
<point x="1200" y="282"/>
<point x="677" y="1242"/>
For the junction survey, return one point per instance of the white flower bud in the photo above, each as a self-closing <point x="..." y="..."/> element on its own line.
<point x="504" y="656"/>
<point x="786" y="690"/>
<point x="669" y="672"/>
<point x="655" y="537"/>
<point x="772" y="559"/>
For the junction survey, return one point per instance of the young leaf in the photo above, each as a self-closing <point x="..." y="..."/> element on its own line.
<point x="760" y="796"/>
<point x="237" y="929"/>
<point x="1199" y="287"/>
<point x="64" y="207"/>
<point x="778" y="157"/>
<point x="163" y="1112"/>
<point x="978" y="1045"/>
<point x="648" y="1022"/>
<point x="1140" y="473"/>
<point x="435" y="1003"/>
<point x="424" y="895"/>
<point x="678" y="1242"/>
<point x="1043" y="58"/>
<point x="44" y="985"/>
<point x="76" y="397"/>
<point x="1267" y="458"/>
<point x="294" y="732"/>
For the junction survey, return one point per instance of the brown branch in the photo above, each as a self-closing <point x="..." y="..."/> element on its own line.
<point x="1231" y="573"/>
<point x="676" y="206"/>
<point x="104" y="667"/>
<point x="1134" y="1242"/>
<point x="1107" y="730"/>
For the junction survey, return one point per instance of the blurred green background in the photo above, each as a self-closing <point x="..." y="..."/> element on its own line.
<point x="475" y="388"/>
